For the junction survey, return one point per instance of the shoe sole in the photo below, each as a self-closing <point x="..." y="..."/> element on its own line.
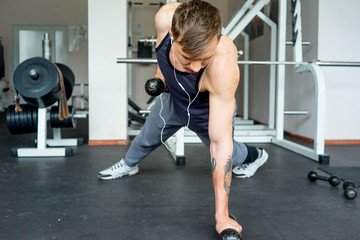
<point x="118" y="176"/>
<point x="266" y="156"/>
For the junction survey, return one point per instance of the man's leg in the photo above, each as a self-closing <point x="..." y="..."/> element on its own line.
<point x="148" y="139"/>
<point x="150" y="136"/>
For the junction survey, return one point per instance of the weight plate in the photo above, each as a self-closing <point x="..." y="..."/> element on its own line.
<point x="37" y="78"/>
<point x="22" y="120"/>
<point x="34" y="117"/>
<point x="55" y="122"/>
<point x="17" y="122"/>
<point x="29" y="119"/>
<point x="26" y="119"/>
<point x="9" y="116"/>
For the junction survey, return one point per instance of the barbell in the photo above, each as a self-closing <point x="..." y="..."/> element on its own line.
<point x="317" y="62"/>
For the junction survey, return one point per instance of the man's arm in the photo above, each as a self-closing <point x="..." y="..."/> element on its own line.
<point x="163" y="20"/>
<point x="222" y="83"/>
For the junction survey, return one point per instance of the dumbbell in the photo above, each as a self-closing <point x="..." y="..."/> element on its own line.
<point x="229" y="233"/>
<point x="154" y="86"/>
<point x="333" y="180"/>
<point x="350" y="191"/>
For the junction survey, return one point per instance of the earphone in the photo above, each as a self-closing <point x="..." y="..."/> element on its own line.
<point x="171" y="40"/>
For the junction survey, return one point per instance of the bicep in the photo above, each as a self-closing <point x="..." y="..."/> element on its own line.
<point x="222" y="103"/>
<point x="222" y="107"/>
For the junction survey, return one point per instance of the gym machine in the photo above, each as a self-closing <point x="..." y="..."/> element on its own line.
<point x="41" y="84"/>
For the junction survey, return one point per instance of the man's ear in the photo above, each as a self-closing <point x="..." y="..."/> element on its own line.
<point x="171" y="36"/>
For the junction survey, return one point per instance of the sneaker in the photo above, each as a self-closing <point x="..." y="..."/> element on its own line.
<point x="248" y="169"/>
<point x="117" y="170"/>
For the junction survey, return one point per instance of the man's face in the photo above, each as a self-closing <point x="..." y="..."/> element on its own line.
<point x="192" y="65"/>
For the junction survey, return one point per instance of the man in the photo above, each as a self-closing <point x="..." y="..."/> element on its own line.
<point x="199" y="69"/>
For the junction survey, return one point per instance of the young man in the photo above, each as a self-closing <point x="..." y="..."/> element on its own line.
<point x="199" y="69"/>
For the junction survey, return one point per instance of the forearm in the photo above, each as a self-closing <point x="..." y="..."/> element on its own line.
<point x="221" y="163"/>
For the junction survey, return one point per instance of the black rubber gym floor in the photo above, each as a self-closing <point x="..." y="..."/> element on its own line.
<point x="62" y="198"/>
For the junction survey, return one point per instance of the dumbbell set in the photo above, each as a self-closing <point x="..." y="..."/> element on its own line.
<point x="349" y="187"/>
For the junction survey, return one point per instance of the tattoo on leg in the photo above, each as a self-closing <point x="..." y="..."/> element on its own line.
<point x="213" y="165"/>
<point x="227" y="176"/>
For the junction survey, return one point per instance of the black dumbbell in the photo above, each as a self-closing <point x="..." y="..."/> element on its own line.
<point x="333" y="180"/>
<point x="350" y="191"/>
<point x="154" y="86"/>
<point x="229" y="233"/>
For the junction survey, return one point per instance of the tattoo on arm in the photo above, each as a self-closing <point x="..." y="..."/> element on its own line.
<point x="213" y="165"/>
<point x="227" y="176"/>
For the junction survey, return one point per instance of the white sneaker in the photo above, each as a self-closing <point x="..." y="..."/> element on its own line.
<point x="117" y="170"/>
<point x="248" y="169"/>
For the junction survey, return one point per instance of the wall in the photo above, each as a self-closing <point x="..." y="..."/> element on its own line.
<point x="107" y="87"/>
<point x="72" y="13"/>
<point x="339" y="38"/>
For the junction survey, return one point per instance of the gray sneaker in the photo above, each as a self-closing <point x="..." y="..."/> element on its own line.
<point x="117" y="170"/>
<point x="248" y="169"/>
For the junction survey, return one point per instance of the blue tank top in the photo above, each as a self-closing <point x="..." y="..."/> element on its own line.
<point x="199" y="109"/>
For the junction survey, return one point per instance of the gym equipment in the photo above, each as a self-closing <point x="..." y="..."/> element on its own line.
<point x="154" y="86"/>
<point x="349" y="187"/>
<point x="350" y="191"/>
<point x="41" y="83"/>
<point x="55" y="121"/>
<point x="317" y="62"/>
<point x="21" y="122"/>
<point x="333" y="180"/>
<point x="37" y="81"/>
<point x="230" y="234"/>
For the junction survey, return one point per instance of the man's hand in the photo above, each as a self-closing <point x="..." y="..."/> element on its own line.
<point x="225" y="222"/>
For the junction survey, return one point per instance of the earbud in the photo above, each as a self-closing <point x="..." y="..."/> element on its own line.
<point x="171" y="40"/>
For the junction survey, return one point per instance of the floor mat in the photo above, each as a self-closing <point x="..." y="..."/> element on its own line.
<point x="345" y="173"/>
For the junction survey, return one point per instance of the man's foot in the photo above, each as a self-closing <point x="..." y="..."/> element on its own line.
<point x="117" y="170"/>
<point x="248" y="169"/>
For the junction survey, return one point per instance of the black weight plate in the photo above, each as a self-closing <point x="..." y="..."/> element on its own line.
<point x="46" y="82"/>
<point x="55" y="122"/>
<point x="22" y="120"/>
<point x="25" y="118"/>
<point x="17" y="122"/>
<point x="69" y="79"/>
<point x="45" y="89"/>
<point x="30" y="119"/>
<point x="34" y="117"/>
<point x="9" y="118"/>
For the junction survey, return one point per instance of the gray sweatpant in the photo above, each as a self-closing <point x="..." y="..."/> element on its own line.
<point x="149" y="137"/>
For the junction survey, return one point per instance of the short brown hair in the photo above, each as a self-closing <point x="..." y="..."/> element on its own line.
<point x="194" y="25"/>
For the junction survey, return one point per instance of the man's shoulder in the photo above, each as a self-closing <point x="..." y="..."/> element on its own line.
<point x="226" y="53"/>
<point x="226" y="46"/>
